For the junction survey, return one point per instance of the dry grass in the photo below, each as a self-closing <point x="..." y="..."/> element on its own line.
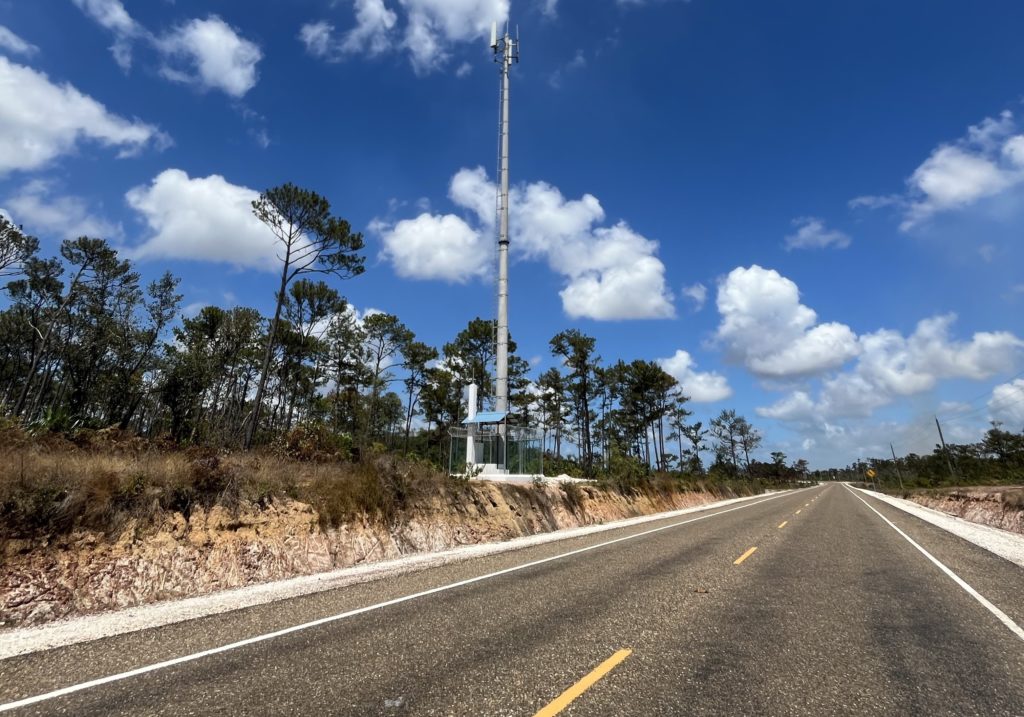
<point x="51" y="486"/>
<point x="103" y="481"/>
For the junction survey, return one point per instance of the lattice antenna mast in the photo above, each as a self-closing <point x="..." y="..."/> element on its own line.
<point x="506" y="52"/>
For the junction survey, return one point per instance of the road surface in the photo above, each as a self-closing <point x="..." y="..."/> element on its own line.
<point x="802" y="603"/>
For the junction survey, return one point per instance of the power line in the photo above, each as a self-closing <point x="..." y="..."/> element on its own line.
<point x="991" y="406"/>
<point x="1009" y="381"/>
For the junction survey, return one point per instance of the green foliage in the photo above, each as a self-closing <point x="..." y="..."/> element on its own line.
<point x="378" y="489"/>
<point x="576" y="350"/>
<point x="16" y="248"/>
<point x="646" y="396"/>
<point x="310" y="240"/>
<point x="467" y="472"/>
<point x="54" y="420"/>
<point x="555" y="465"/>
<point x="83" y="345"/>
<point x="315" y="442"/>
<point x="998" y="459"/>
<point x="625" y="473"/>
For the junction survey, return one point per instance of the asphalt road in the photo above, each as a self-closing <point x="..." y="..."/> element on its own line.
<point x="835" y="612"/>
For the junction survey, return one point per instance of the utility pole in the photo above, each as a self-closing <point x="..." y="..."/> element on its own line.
<point x="945" y="450"/>
<point x="896" y="464"/>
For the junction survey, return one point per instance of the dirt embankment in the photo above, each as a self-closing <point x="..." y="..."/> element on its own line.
<point x="1001" y="507"/>
<point x="216" y="549"/>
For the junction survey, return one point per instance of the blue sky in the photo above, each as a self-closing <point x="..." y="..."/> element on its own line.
<point x="810" y="212"/>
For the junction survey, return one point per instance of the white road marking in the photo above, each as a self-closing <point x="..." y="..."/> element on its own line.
<point x="995" y="540"/>
<point x="1002" y="616"/>
<point x="64" y="691"/>
<point x="86" y="628"/>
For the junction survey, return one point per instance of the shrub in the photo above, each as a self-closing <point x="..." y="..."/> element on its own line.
<point x="625" y="473"/>
<point x="314" y="442"/>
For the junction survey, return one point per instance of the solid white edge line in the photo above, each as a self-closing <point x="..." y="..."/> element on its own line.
<point x="351" y="613"/>
<point x="1004" y="543"/>
<point x="88" y="628"/>
<point x="1002" y="616"/>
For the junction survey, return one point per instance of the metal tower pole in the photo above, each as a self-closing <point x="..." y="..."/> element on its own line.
<point x="506" y="52"/>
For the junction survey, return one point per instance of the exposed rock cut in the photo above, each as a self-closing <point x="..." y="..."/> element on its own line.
<point x="88" y="572"/>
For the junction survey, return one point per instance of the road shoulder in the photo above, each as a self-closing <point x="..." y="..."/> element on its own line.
<point x="1003" y="543"/>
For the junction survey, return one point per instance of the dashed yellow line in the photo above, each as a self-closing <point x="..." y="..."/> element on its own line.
<point x="583" y="685"/>
<point x="745" y="555"/>
<point x="783" y="524"/>
<point x="798" y="512"/>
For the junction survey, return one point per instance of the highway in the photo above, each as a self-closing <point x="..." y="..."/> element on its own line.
<point x="800" y="603"/>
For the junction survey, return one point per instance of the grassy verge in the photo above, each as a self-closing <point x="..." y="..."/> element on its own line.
<point x="102" y="481"/>
<point x="105" y="481"/>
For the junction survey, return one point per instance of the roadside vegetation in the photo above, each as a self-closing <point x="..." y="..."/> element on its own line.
<point x="110" y="481"/>
<point x="996" y="460"/>
<point x="118" y="405"/>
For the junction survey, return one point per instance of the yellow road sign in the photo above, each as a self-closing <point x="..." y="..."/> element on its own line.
<point x="871" y="473"/>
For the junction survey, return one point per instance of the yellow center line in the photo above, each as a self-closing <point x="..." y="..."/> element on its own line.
<point x="745" y="555"/>
<point x="798" y="512"/>
<point x="583" y="685"/>
<point x="783" y="524"/>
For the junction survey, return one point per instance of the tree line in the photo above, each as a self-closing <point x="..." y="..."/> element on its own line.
<point x="998" y="458"/>
<point x="84" y="344"/>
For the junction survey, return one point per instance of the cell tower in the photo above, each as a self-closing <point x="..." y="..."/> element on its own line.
<point x="506" y="52"/>
<point x="494" y="448"/>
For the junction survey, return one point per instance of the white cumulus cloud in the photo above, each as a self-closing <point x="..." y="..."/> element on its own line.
<point x="700" y="386"/>
<point x="611" y="272"/>
<point x="434" y="25"/>
<point x="317" y="37"/>
<point x="112" y="16"/>
<point x="797" y="406"/>
<point x="202" y="219"/>
<point x="891" y="366"/>
<point x="906" y="365"/>
<point x="210" y="54"/>
<point x="811" y="233"/>
<point x="698" y="294"/>
<point x="372" y="34"/>
<point x="766" y="328"/>
<point x="433" y="246"/>
<point x="615" y="276"/>
<point x="987" y="161"/>
<point x="1013" y="150"/>
<point x="40" y="120"/>
<point x="427" y="30"/>
<point x="1007" y="404"/>
<point x="207" y="53"/>
<point x="10" y="42"/>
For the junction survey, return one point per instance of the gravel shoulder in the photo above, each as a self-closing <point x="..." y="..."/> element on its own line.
<point x="1001" y="542"/>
